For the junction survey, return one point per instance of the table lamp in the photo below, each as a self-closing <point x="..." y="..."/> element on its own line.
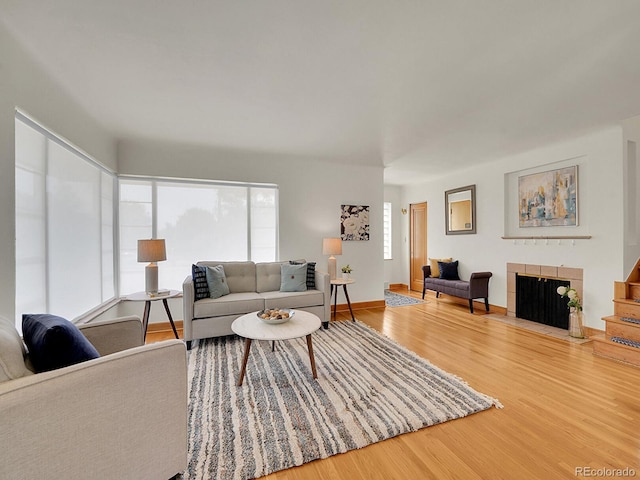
<point x="332" y="246"/>
<point x="152" y="251"/>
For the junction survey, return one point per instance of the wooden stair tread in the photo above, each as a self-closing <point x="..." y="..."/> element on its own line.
<point x="604" y="347"/>
<point x="626" y="301"/>
<point x="617" y="319"/>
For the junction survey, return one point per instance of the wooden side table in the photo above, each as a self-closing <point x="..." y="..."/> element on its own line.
<point x="335" y="283"/>
<point x="143" y="297"/>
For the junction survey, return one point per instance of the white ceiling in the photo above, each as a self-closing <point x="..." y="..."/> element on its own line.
<point x="421" y="87"/>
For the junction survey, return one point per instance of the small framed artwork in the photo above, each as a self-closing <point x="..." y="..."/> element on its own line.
<point x="549" y="199"/>
<point x="354" y="222"/>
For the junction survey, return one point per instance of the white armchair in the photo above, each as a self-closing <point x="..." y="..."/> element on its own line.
<point x="120" y="416"/>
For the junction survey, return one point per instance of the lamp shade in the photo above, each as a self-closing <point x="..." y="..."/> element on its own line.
<point x="152" y="250"/>
<point x="331" y="246"/>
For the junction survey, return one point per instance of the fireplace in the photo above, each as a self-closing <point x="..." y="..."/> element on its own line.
<point x="538" y="299"/>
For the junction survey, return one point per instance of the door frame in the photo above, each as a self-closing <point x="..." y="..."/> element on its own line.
<point x="415" y="275"/>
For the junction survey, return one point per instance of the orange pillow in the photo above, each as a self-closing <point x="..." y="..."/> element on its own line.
<point x="435" y="270"/>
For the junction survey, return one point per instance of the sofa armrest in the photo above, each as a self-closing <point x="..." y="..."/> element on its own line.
<point x="188" y="297"/>
<point x="323" y="283"/>
<point x="119" y="416"/>
<point x="114" y="335"/>
<point x="479" y="284"/>
<point x="426" y="271"/>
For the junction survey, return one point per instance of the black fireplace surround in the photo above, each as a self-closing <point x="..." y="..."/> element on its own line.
<point x="537" y="300"/>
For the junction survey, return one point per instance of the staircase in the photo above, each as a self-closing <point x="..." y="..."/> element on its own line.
<point x="621" y="340"/>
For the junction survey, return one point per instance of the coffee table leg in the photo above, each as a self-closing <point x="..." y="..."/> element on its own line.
<point x="313" y="361"/>
<point x="247" y="347"/>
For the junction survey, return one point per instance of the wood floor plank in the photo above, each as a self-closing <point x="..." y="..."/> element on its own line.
<point x="564" y="408"/>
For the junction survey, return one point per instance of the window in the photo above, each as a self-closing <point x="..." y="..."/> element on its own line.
<point x="199" y="221"/>
<point x="387" y="230"/>
<point x="64" y="226"/>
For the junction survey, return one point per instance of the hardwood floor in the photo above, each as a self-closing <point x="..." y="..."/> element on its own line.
<point x="564" y="408"/>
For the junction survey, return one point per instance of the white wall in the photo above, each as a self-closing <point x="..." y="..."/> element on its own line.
<point x="310" y="195"/>
<point x="600" y="156"/>
<point x="631" y="135"/>
<point x="393" y="269"/>
<point x="23" y="84"/>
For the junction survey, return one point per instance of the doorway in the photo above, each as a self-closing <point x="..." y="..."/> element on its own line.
<point x="417" y="245"/>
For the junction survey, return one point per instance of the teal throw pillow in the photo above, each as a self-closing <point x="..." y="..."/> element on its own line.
<point x="293" y="278"/>
<point x="217" y="282"/>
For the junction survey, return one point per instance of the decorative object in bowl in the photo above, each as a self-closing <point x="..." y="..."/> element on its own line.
<point x="274" y="316"/>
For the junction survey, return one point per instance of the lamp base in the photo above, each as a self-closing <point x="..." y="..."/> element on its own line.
<point x="151" y="278"/>
<point x="332" y="267"/>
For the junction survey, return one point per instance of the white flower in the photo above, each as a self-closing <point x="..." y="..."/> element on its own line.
<point x="571" y="293"/>
<point x="351" y="225"/>
<point x="561" y="290"/>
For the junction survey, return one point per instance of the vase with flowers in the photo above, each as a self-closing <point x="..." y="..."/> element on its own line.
<point x="576" y="328"/>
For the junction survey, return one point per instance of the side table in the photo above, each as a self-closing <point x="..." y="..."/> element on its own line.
<point x="144" y="297"/>
<point x="335" y="283"/>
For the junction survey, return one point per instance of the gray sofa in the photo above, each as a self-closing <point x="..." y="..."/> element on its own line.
<point x="120" y="416"/>
<point x="253" y="287"/>
<point x="476" y="287"/>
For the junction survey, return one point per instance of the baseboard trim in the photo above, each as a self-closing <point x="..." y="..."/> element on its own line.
<point x="478" y="305"/>
<point x="343" y="307"/>
<point x="398" y="287"/>
<point x="592" y="332"/>
<point x="164" y="326"/>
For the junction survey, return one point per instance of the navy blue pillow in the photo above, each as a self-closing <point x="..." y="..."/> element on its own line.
<point x="449" y="270"/>
<point x="54" y="342"/>
<point x="201" y="287"/>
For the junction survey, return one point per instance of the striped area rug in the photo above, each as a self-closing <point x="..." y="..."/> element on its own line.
<point x="368" y="389"/>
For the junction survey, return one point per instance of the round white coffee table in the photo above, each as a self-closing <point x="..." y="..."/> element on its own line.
<point x="251" y="328"/>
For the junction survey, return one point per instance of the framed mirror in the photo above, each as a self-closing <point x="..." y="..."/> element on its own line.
<point x="460" y="210"/>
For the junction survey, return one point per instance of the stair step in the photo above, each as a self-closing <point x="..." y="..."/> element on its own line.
<point x="634" y="291"/>
<point x="605" y="347"/>
<point x="624" y="341"/>
<point x="626" y="307"/>
<point x="624" y="327"/>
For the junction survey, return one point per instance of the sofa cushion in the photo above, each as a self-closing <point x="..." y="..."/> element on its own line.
<point x="241" y="276"/>
<point x="310" y="298"/>
<point x="232" y="304"/>
<point x="12" y="352"/>
<point x="200" y="285"/>
<point x="217" y="282"/>
<point x="433" y="263"/>
<point x="311" y="272"/>
<point x="449" y="270"/>
<point x="268" y="276"/>
<point x="293" y="278"/>
<point x="55" y="342"/>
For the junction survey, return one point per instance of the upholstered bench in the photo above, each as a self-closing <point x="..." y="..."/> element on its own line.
<point x="476" y="287"/>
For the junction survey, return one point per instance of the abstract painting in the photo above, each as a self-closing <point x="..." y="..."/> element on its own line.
<point x="354" y="222"/>
<point x="549" y="199"/>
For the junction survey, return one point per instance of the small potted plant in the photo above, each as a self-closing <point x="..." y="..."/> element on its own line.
<point x="346" y="272"/>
